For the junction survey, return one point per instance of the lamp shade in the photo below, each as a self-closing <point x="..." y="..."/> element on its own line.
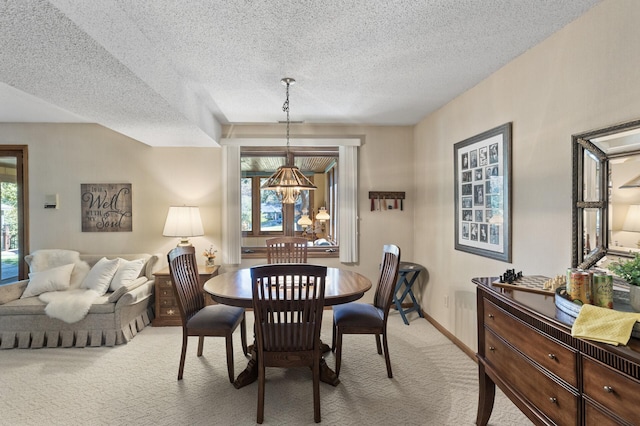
<point x="322" y="214"/>
<point x="183" y="222"/>
<point x="305" y="220"/>
<point x="632" y="221"/>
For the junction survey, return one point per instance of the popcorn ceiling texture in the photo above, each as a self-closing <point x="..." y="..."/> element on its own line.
<point x="169" y="73"/>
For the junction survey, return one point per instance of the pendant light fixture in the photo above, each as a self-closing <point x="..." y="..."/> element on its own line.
<point x="288" y="180"/>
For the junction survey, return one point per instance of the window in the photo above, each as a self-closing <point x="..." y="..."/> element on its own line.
<point x="345" y="220"/>
<point x="13" y="221"/>
<point x="264" y="216"/>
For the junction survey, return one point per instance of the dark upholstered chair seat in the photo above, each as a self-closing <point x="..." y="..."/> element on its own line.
<point x="358" y="315"/>
<point x="197" y="318"/>
<point x="221" y="315"/>
<point x="361" y="318"/>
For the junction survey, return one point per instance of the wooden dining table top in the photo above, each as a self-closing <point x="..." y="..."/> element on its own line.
<point x="234" y="288"/>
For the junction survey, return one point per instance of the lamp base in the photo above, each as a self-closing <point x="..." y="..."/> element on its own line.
<point x="184" y="242"/>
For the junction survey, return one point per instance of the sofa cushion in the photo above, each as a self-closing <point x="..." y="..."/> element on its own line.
<point x="53" y="279"/>
<point x="128" y="270"/>
<point x="100" y="276"/>
<point x="34" y="306"/>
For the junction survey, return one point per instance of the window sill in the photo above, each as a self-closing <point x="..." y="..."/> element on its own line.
<point x="317" y="252"/>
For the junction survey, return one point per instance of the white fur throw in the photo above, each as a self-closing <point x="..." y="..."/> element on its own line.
<point x="69" y="306"/>
<point x="51" y="258"/>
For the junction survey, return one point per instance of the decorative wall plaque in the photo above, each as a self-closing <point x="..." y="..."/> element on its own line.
<point x="106" y="207"/>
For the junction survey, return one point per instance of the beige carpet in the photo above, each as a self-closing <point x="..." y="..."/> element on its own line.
<point x="434" y="383"/>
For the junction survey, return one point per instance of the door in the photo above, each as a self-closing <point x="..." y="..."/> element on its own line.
<point x="13" y="223"/>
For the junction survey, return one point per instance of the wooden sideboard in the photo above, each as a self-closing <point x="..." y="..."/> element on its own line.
<point x="525" y="347"/>
<point x="166" y="306"/>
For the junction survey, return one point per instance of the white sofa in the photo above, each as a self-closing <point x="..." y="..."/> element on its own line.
<point x="113" y="319"/>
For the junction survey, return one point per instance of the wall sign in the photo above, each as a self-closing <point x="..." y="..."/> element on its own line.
<point x="106" y="207"/>
<point x="483" y="195"/>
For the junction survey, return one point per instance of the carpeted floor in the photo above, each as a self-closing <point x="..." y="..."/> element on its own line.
<point x="434" y="383"/>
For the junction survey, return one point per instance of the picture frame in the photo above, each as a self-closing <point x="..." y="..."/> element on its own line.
<point x="482" y="167"/>
<point x="106" y="207"/>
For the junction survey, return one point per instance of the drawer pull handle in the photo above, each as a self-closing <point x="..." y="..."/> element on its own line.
<point x="608" y="389"/>
<point x="552" y="356"/>
<point x="491" y="316"/>
<point x="492" y="348"/>
<point x="553" y="400"/>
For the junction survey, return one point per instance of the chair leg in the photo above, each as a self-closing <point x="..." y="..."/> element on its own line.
<point x="338" y="351"/>
<point x="243" y="335"/>
<point x="261" y="380"/>
<point x="183" y="354"/>
<point x="200" y="345"/>
<point x="229" y="341"/>
<point x="316" y="389"/>
<point x="378" y="344"/>
<point x="333" y="336"/>
<point x="386" y="354"/>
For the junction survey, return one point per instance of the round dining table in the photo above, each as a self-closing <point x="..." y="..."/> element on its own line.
<point x="234" y="288"/>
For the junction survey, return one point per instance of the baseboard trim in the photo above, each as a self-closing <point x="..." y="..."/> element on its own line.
<point x="464" y="348"/>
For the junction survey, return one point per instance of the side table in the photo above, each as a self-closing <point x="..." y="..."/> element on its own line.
<point x="166" y="306"/>
<point x="407" y="274"/>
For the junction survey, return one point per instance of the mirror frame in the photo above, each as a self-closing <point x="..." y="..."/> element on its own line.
<point x="584" y="142"/>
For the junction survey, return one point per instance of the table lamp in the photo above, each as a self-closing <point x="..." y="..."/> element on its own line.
<point x="183" y="222"/>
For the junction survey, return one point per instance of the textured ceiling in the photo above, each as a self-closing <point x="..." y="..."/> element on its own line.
<point x="169" y="73"/>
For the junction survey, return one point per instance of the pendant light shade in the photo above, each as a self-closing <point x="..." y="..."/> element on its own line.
<point x="288" y="180"/>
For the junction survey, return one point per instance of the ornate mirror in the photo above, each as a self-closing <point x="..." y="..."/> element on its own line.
<point x="606" y="193"/>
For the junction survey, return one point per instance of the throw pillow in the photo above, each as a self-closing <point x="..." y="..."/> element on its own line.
<point x="100" y="276"/>
<point x="53" y="279"/>
<point x="128" y="270"/>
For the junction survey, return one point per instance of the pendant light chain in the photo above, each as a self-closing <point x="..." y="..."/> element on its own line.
<point x="288" y="181"/>
<point x="285" y="108"/>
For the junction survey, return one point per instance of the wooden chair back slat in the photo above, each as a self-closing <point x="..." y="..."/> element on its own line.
<point x="287" y="250"/>
<point x="387" y="278"/>
<point x="288" y="304"/>
<point x="184" y="276"/>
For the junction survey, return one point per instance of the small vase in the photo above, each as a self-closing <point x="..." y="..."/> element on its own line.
<point x="634" y="297"/>
<point x="211" y="261"/>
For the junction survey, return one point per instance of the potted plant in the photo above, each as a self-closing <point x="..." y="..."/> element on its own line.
<point x="629" y="270"/>
<point x="211" y="256"/>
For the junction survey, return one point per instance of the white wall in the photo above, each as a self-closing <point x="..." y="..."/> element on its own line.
<point x="584" y="77"/>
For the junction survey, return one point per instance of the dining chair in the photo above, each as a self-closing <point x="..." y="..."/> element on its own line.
<point x="287" y="250"/>
<point x="288" y="301"/>
<point x="198" y="319"/>
<point x="363" y="318"/>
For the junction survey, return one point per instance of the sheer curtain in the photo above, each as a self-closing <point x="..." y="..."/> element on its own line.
<point x="347" y="193"/>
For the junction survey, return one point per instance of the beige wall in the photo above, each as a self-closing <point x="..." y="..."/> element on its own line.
<point x="583" y="77"/>
<point x="385" y="164"/>
<point x="61" y="157"/>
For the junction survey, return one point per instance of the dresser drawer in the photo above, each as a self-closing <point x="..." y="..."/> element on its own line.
<point x="553" y="356"/>
<point x="595" y="417"/>
<point x="552" y="399"/>
<point x="167" y="302"/>
<point x="164" y="282"/>
<point x="616" y="392"/>
<point x="166" y="292"/>
<point x="172" y="312"/>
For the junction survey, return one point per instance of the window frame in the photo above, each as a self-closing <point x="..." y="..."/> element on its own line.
<point x="348" y="147"/>
<point x="256" y="212"/>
